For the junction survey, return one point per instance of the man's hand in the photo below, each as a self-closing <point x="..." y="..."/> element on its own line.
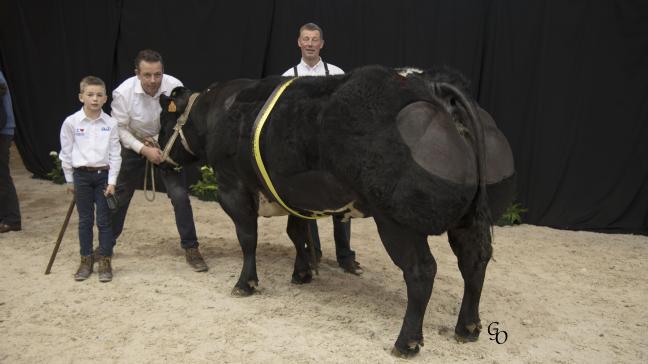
<point x="110" y="190"/>
<point x="70" y="187"/>
<point x="153" y="154"/>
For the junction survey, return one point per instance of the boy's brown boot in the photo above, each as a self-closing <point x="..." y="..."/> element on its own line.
<point x="85" y="268"/>
<point x="105" y="270"/>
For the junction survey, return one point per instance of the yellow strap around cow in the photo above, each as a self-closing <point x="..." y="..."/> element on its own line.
<point x="256" y="144"/>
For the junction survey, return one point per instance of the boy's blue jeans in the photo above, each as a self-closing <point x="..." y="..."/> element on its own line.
<point x="89" y="192"/>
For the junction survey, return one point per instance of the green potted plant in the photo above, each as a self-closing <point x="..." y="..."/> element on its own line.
<point x="206" y="188"/>
<point x="56" y="174"/>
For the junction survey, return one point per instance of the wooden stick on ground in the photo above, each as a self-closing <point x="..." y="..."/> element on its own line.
<point x="60" y="236"/>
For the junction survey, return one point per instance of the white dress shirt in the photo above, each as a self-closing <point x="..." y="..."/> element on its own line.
<point x="90" y="143"/>
<point x="303" y="69"/>
<point x="137" y="113"/>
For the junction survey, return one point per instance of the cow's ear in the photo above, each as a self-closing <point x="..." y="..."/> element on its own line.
<point x="164" y="101"/>
<point x="172" y="107"/>
<point x="167" y="103"/>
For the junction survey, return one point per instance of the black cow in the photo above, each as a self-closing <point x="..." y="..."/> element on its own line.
<point x="409" y="148"/>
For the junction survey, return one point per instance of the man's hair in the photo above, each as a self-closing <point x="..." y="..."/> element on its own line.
<point x="311" y="27"/>
<point x="90" y="81"/>
<point x="148" y="55"/>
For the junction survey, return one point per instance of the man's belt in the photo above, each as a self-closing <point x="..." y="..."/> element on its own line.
<point x="92" y="169"/>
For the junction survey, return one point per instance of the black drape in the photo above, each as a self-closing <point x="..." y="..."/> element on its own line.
<point x="46" y="48"/>
<point x="567" y="82"/>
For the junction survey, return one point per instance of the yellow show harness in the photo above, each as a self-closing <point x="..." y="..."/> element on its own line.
<point x="257" y="127"/>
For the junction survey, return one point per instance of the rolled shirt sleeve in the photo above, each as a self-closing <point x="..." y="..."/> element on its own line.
<point x="114" y="155"/>
<point x="65" y="155"/>
<point x="120" y="113"/>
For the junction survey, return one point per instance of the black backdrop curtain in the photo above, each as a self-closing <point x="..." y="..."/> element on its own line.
<point x="567" y="82"/>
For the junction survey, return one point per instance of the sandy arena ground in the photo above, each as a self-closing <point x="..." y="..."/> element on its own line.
<point x="560" y="296"/>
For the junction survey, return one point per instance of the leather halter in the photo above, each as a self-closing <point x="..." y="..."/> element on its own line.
<point x="177" y="131"/>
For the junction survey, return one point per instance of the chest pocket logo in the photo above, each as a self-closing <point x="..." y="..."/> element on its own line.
<point x="79" y="132"/>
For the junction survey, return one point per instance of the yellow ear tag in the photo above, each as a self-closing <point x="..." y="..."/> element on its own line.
<point x="172" y="107"/>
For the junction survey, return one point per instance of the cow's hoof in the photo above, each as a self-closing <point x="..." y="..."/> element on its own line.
<point x="301" y="277"/>
<point x="468" y="333"/>
<point x="409" y="351"/>
<point x="242" y="292"/>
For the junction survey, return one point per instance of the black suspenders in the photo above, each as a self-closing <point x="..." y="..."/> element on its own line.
<point x="326" y="70"/>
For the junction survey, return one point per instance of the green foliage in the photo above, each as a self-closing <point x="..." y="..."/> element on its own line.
<point x="56" y="174"/>
<point x="206" y="188"/>
<point x="512" y="215"/>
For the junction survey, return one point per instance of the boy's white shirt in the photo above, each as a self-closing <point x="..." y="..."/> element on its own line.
<point x="89" y="142"/>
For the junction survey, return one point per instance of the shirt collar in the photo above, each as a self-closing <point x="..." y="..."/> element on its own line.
<point x="84" y="117"/>
<point x="316" y="66"/>
<point x="140" y="90"/>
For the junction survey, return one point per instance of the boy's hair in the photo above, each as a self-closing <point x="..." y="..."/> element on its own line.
<point x="91" y="81"/>
<point x="148" y="55"/>
<point x="312" y="27"/>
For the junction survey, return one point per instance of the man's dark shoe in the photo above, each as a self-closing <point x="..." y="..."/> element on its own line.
<point x="5" y="228"/>
<point x="195" y="260"/>
<point x="351" y="266"/>
<point x="105" y="270"/>
<point x="85" y="268"/>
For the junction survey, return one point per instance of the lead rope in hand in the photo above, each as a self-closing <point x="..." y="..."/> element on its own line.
<point x="149" y="142"/>
<point x="150" y="166"/>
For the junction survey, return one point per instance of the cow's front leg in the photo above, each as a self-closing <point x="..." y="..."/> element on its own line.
<point x="240" y="207"/>
<point x="297" y="230"/>
<point x="410" y="252"/>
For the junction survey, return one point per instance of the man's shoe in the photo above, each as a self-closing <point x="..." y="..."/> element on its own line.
<point x="351" y="266"/>
<point x="195" y="260"/>
<point x="85" y="268"/>
<point x="105" y="270"/>
<point x="5" y="228"/>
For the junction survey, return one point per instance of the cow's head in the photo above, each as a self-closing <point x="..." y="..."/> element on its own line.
<point x="183" y="139"/>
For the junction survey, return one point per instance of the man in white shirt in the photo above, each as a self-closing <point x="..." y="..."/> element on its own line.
<point x="136" y="108"/>
<point x="311" y="41"/>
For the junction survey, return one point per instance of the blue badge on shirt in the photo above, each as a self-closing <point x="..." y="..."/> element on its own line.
<point x="105" y="128"/>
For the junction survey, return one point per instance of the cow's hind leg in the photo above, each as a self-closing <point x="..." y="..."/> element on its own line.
<point x="410" y="252"/>
<point x="240" y="207"/>
<point x="472" y="246"/>
<point x="297" y="231"/>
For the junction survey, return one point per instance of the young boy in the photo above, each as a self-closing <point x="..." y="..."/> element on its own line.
<point x="90" y="157"/>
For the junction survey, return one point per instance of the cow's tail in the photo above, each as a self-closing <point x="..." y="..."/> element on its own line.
<point x="456" y="99"/>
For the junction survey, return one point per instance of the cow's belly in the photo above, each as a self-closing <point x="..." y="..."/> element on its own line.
<point x="269" y="208"/>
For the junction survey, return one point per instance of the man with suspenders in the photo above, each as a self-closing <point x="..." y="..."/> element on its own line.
<point x="311" y="41"/>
